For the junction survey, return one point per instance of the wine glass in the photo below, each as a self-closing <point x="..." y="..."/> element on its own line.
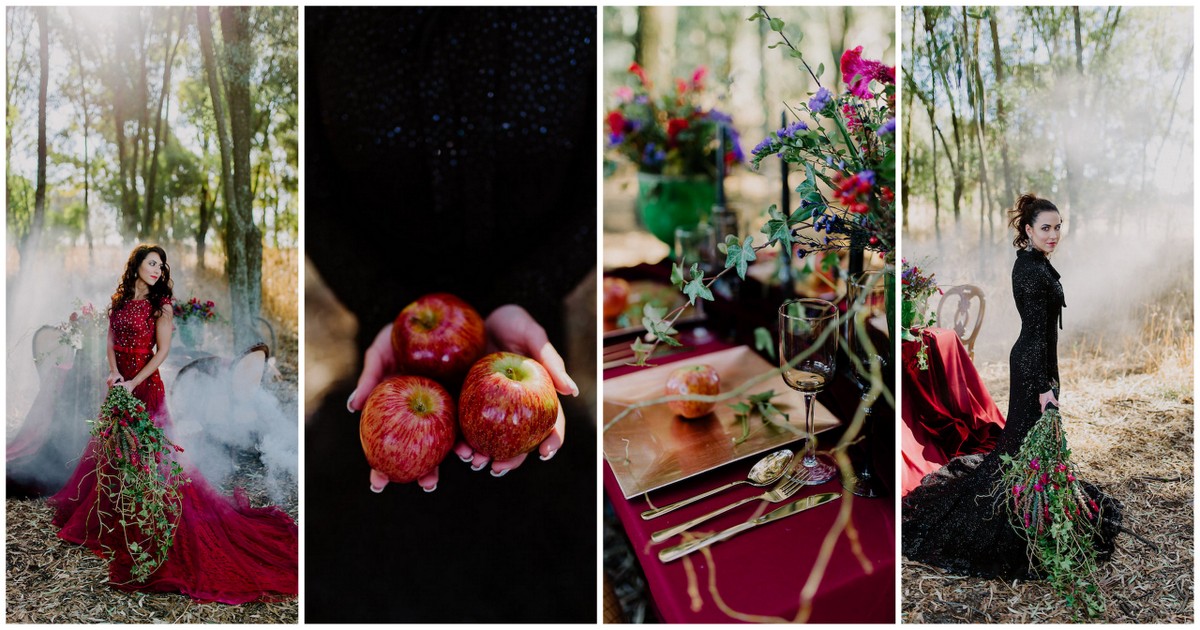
<point x="808" y="340"/>
<point x="696" y="244"/>
<point x="868" y="307"/>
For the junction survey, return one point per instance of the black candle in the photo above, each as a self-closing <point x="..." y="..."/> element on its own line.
<point x="786" y="204"/>
<point x="721" y="165"/>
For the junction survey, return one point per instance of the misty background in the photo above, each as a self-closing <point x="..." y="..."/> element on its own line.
<point x="171" y="125"/>
<point x="1091" y="108"/>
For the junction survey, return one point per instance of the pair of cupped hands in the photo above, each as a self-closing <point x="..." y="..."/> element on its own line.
<point x="509" y="328"/>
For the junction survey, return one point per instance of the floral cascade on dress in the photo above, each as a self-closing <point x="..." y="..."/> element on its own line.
<point x="224" y="550"/>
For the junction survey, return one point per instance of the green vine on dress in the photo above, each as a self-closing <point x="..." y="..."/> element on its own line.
<point x="1050" y="509"/>
<point x="141" y="479"/>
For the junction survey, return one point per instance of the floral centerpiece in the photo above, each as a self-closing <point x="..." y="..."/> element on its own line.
<point x="85" y="322"/>
<point x="846" y="147"/>
<point x="140" y="479"/>
<point x="192" y="314"/>
<point x="673" y="140"/>
<point x="917" y="289"/>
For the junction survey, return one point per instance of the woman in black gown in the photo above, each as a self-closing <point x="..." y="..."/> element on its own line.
<point x="957" y="519"/>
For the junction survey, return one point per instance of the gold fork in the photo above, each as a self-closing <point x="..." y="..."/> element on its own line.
<point x="786" y="487"/>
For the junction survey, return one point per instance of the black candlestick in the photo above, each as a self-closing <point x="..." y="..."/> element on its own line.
<point x="785" y="259"/>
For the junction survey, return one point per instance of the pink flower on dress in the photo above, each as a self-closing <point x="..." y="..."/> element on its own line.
<point x="858" y="73"/>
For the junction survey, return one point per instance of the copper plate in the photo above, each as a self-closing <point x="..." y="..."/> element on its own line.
<point x="652" y="447"/>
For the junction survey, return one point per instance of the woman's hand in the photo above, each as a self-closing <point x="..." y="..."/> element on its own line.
<point x="114" y="377"/>
<point x="128" y="385"/>
<point x="1047" y="399"/>
<point x="510" y="328"/>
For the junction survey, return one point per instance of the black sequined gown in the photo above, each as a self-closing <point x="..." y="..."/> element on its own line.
<point x="953" y="520"/>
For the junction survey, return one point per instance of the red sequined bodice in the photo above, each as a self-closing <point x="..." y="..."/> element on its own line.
<point x="133" y="338"/>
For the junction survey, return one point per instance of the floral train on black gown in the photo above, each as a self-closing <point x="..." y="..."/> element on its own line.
<point x="224" y="550"/>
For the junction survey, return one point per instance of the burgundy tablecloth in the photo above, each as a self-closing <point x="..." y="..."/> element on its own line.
<point x="946" y="410"/>
<point x="762" y="572"/>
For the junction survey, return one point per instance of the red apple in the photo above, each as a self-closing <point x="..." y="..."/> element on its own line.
<point x="616" y="297"/>
<point x="508" y="405"/>
<point x="407" y="427"/>
<point x="438" y="336"/>
<point x="693" y="379"/>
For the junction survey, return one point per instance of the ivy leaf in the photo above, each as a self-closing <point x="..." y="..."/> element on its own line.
<point x="740" y="408"/>
<point x="820" y="69"/>
<point x="763" y="342"/>
<point x="695" y="288"/>
<point x="777" y="25"/>
<point x="764" y="397"/>
<point x="677" y="276"/>
<point x="739" y="256"/>
<point x="652" y="319"/>
<point x="641" y="351"/>
<point x="777" y="229"/>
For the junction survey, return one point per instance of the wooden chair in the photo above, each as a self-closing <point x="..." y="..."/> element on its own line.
<point x="48" y="353"/>
<point x="246" y="372"/>
<point x="967" y="319"/>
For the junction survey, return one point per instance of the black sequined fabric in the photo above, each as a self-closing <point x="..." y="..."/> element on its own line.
<point x="450" y="150"/>
<point x="956" y="519"/>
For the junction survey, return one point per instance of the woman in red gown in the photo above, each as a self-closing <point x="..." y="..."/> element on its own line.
<point x="223" y="549"/>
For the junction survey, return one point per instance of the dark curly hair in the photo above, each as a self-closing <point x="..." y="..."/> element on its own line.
<point x="1024" y="213"/>
<point x="161" y="292"/>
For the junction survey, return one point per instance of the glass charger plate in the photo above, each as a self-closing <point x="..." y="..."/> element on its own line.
<point x="651" y="447"/>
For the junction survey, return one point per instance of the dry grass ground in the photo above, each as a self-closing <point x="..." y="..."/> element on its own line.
<point x="1130" y="426"/>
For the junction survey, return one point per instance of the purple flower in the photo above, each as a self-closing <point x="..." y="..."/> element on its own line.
<point x="615" y="138"/>
<point x="762" y="146"/>
<point x="791" y="130"/>
<point x="653" y="156"/>
<point x="820" y="100"/>
<point x="721" y="117"/>
<point x="867" y="176"/>
<point x="887" y="128"/>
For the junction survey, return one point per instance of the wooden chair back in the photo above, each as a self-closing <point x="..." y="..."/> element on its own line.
<point x="966" y="318"/>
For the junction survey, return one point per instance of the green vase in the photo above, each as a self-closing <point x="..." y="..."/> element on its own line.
<point x="912" y="313"/>
<point x="666" y="202"/>
<point x="190" y="333"/>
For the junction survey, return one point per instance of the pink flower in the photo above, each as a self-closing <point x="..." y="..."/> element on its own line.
<point x="698" y="77"/>
<point x="1037" y="487"/>
<point x="1033" y="463"/>
<point x="624" y="94"/>
<point x="858" y="73"/>
<point x="1061" y="468"/>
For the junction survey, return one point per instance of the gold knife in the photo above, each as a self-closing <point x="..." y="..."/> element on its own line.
<point x="795" y="507"/>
